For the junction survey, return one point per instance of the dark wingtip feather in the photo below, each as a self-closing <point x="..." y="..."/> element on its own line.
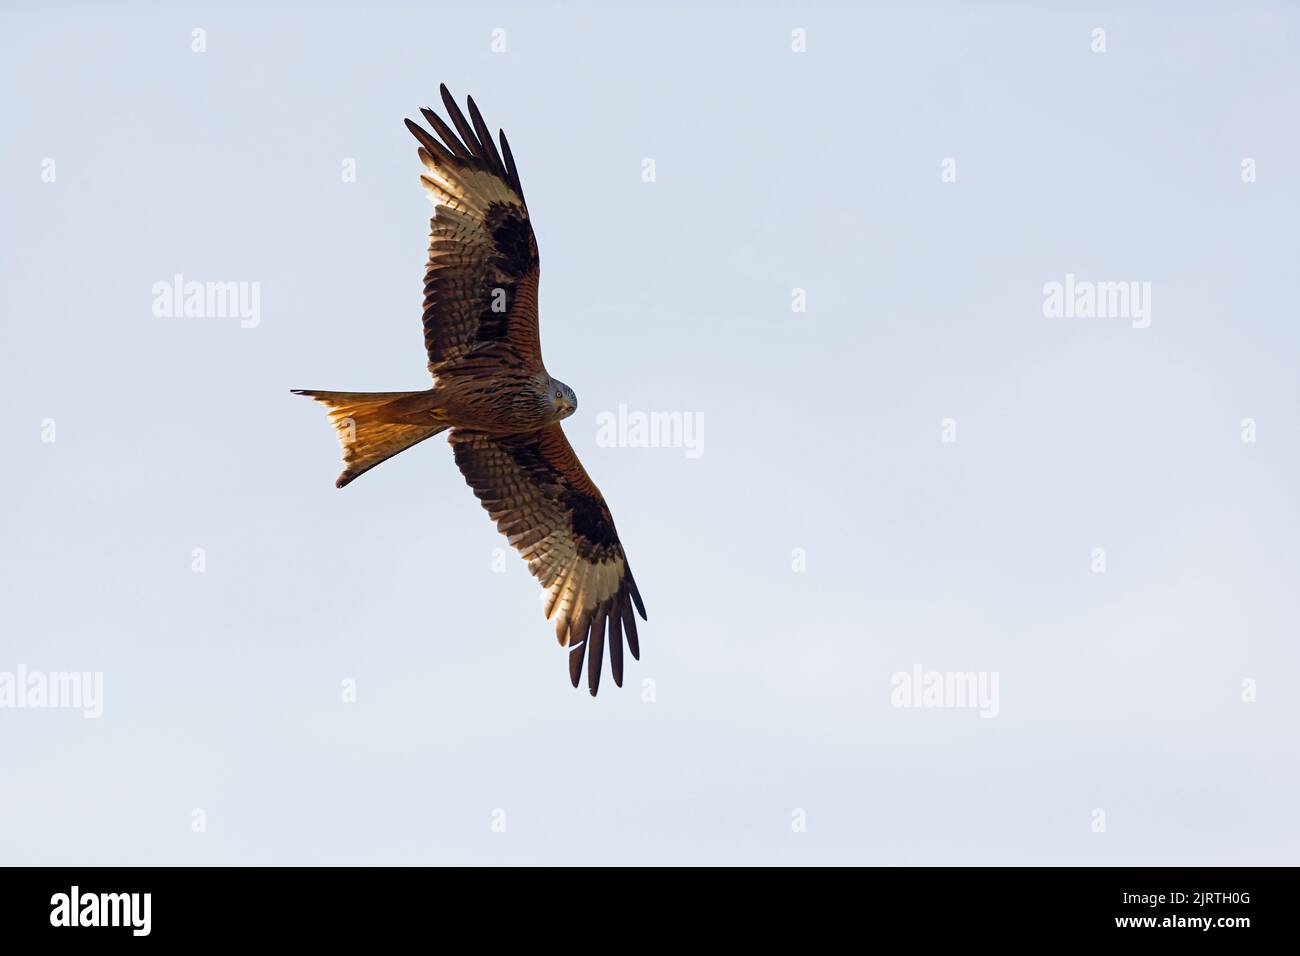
<point x="616" y="645"/>
<point x="576" y="654"/>
<point x="450" y="138"/>
<point x="462" y="125"/>
<point x="629" y="628"/>
<point x="636" y="594"/>
<point x="485" y="137"/>
<point x="512" y="171"/>
<point x="427" y="142"/>
<point x="596" y="658"/>
<point x="416" y="129"/>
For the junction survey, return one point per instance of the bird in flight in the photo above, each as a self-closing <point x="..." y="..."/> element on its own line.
<point x="492" y="390"/>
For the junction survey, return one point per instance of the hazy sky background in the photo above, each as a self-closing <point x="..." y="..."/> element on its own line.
<point x="775" y="171"/>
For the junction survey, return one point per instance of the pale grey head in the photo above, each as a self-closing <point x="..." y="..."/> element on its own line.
<point x="562" y="400"/>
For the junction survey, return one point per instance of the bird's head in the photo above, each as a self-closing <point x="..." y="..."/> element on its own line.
<point x="563" y="400"/>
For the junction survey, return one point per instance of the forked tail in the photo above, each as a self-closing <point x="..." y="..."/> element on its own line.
<point x="372" y="427"/>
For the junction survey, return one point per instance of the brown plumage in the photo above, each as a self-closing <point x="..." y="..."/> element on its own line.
<point x="492" y="390"/>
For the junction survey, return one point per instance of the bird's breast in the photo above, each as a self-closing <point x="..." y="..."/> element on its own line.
<point x="499" y="400"/>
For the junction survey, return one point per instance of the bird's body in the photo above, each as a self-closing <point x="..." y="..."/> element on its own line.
<point x="503" y="402"/>
<point x="491" y="388"/>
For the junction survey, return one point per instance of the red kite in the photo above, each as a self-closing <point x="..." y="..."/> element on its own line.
<point x="491" y="388"/>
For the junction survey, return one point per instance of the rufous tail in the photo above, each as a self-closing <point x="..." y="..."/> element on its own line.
<point x="372" y="427"/>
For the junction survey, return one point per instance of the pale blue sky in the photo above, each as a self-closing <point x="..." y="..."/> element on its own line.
<point x="775" y="171"/>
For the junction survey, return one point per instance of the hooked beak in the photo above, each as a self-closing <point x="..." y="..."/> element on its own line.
<point x="565" y="407"/>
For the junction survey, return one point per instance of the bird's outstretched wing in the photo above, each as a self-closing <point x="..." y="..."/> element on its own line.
<point x="480" y="286"/>
<point x="542" y="499"/>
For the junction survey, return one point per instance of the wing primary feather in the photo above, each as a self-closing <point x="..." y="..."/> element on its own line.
<point x="597" y="656"/>
<point x="442" y="129"/>
<point x="576" y="655"/>
<point x="422" y="134"/>
<point x="512" y="171"/>
<point x="615" y="643"/>
<point x="439" y="158"/>
<point x="629" y="629"/>
<point x="485" y="138"/>
<point x="462" y="126"/>
<point x="582" y="630"/>
<point x="636" y="595"/>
